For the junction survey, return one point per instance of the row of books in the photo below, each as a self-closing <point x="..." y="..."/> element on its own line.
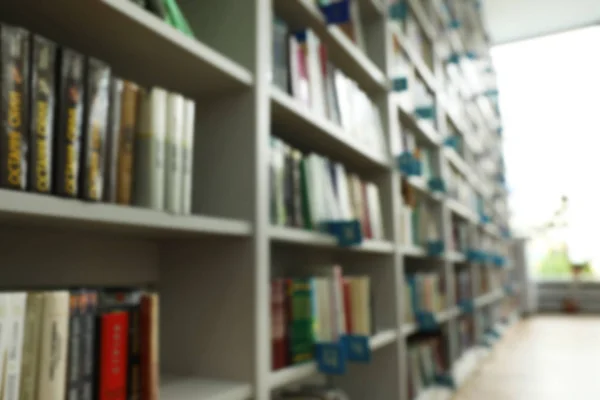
<point x="302" y="69"/>
<point x="320" y="308"/>
<point x="79" y="344"/>
<point x="72" y="129"/>
<point x="403" y="16"/>
<point x="168" y="11"/>
<point x="460" y="235"/>
<point x="427" y="293"/>
<point x="464" y="289"/>
<point x="426" y="362"/>
<point x="308" y="190"/>
<point x="420" y="223"/>
<point x="423" y="154"/>
<point x="466" y="334"/>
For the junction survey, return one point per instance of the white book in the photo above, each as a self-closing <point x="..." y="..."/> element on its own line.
<point x="188" y="156"/>
<point x="343" y="193"/>
<point x="338" y="300"/>
<point x="173" y="159"/>
<point x="332" y="210"/>
<point x="14" y="349"/>
<point x="315" y="74"/>
<point x="4" y="334"/>
<point x="316" y="195"/>
<point x="344" y="103"/>
<point x="52" y="377"/>
<point x="375" y="216"/>
<point x="149" y="184"/>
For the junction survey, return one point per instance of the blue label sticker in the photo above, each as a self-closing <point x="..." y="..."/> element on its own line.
<point x="347" y="233"/>
<point x="331" y="358"/>
<point x="491" y="93"/>
<point x="300" y="36"/>
<point x="471" y="55"/>
<point x="467" y="306"/>
<point x="455" y="24"/>
<point x="493" y="333"/>
<point x="400" y="84"/>
<point x="454" y="58"/>
<point x="452" y="141"/>
<point x="435" y="248"/>
<point x="437" y="184"/>
<point x="426" y="321"/>
<point x="408" y="164"/>
<point x="337" y="12"/>
<point x="427" y="112"/>
<point x="398" y="10"/>
<point x="358" y="348"/>
<point x="446" y="380"/>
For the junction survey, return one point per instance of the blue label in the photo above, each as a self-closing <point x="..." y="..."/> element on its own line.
<point x="471" y="55"/>
<point x="397" y="11"/>
<point x="454" y="58"/>
<point x="484" y="218"/>
<point x="493" y="333"/>
<point x="400" y="84"/>
<point x="437" y="185"/>
<point x="347" y="233"/>
<point x="300" y="36"/>
<point x="455" y="24"/>
<point x="499" y="261"/>
<point x="491" y="93"/>
<point x="337" y="12"/>
<point x="331" y="358"/>
<point x="476" y="256"/>
<point x="358" y="348"/>
<point x="452" y="141"/>
<point x="446" y="380"/>
<point x="408" y="164"/>
<point x="426" y="321"/>
<point x="435" y="248"/>
<point x="467" y="306"/>
<point x="425" y="112"/>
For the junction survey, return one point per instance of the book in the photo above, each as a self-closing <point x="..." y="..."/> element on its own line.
<point x="53" y="346"/>
<point x="278" y="324"/>
<point x="149" y="170"/>
<point x="149" y="352"/>
<point x="34" y="310"/>
<point x="112" y="140"/>
<point x="279" y="72"/>
<point x="87" y="308"/>
<point x="14" y="354"/>
<point x="299" y="78"/>
<point x="14" y="106"/>
<point x="173" y="160"/>
<point x="69" y="121"/>
<point x="113" y="328"/>
<point x="42" y="106"/>
<point x="300" y="321"/>
<point x="95" y="127"/>
<point x="126" y="137"/>
<point x="188" y="156"/>
<point x="74" y="346"/>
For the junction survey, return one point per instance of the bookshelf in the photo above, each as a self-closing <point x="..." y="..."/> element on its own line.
<point x="213" y="268"/>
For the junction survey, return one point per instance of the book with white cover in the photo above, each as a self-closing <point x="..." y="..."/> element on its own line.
<point x="14" y="349"/>
<point x="188" y="156"/>
<point x="52" y="378"/>
<point x="173" y="159"/>
<point x="343" y="193"/>
<point x="149" y="184"/>
<point x="4" y="334"/>
<point x="375" y="211"/>
<point x="315" y="74"/>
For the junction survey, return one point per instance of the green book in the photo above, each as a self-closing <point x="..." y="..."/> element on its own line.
<point x="300" y="330"/>
<point x="304" y="189"/>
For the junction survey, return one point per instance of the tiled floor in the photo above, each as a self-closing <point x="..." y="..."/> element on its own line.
<point x="542" y="358"/>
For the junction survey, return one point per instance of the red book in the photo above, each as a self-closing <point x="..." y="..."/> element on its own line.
<point x="366" y="222"/>
<point x="113" y="356"/>
<point x="348" y="307"/>
<point x="278" y="324"/>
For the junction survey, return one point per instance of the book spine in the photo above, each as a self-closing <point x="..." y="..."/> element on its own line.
<point x="188" y="157"/>
<point x="16" y="312"/>
<point x="113" y="356"/>
<point x="112" y="140"/>
<point x="74" y="343"/>
<point x="348" y="306"/>
<point x="88" y="309"/>
<point x="95" y="129"/>
<point x="150" y="149"/>
<point x="126" y="142"/>
<point x="134" y="375"/>
<point x="69" y="116"/>
<point x="288" y="191"/>
<point x="31" y="345"/>
<point x="298" y="215"/>
<point x="53" y="347"/>
<point x="14" y="97"/>
<point x="173" y="164"/>
<point x="43" y="103"/>
<point x="278" y="324"/>
<point x="149" y="347"/>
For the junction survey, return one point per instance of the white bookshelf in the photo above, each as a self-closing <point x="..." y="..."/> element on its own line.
<point x="213" y="268"/>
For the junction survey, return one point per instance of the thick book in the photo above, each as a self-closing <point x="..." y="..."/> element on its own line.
<point x="34" y="310"/>
<point x="300" y="321"/>
<point x="113" y="328"/>
<point x="112" y="140"/>
<point x="149" y="351"/>
<point x="14" y="353"/>
<point x="150" y="149"/>
<point x="173" y="162"/>
<point x="52" y="379"/>
<point x="42" y="106"/>
<point x="69" y="121"/>
<point x="188" y="156"/>
<point x="126" y="137"/>
<point x="14" y="106"/>
<point x="93" y="148"/>
<point x="88" y="306"/>
<point x="278" y="324"/>
<point x="74" y="351"/>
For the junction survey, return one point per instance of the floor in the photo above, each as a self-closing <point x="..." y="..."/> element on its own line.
<point x="542" y="358"/>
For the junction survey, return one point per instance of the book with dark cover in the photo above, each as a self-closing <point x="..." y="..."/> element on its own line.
<point x="69" y="118"/>
<point x="112" y="351"/>
<point x="93" y="149"/>
<point x="288" y="186"/>
<point x="280" y="55"/>
<point x="42" y="106"/>
<point x="126" y="142"/>
<point x="88" y="308"/>
<point x="112" y="140"/>
<point x="157" y="8"/>
<point x="298" y="215"/>
<point x="14" y="97"/>
<point x="278" y="324"/>
<point x="74" y="343"/>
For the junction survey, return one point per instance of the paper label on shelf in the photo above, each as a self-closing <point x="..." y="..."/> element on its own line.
<point x="408" y="164"/>
<point x="435" y="248"/>
<point x="427" y="112"/>
<point x="337" y="12"/>
<point x="446" y="380"/>
<point x="347" y="233"/>
<point x="426" y="321"/>
<point x="358" y="348"/>
<point x="400" y="84"/>
<point x="437" y="185"/>
<point x="467" y="306"/>
<point x="331" y="358"/>
<point x="398" y="10"/>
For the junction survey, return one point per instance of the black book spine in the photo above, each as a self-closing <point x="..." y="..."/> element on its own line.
<point x="93" y="143"/>
<point x="41" y="128"/>
<point x="14" y="97"/>
<point x="69" y="116"/>
<point x="89" y="306"/>
<point x="297" y="189"/>
<point x="74" y="343"/>
<point x="288" y="184"/>
<point x="134" y="374"/>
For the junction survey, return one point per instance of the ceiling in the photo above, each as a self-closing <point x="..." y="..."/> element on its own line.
<point x="513" y="20"/>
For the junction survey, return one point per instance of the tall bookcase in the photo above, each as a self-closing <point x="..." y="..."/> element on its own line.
<point x="213" y="268"/>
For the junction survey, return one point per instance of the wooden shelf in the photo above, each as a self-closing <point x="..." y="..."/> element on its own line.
<point x="134" y="39"/>
<point x="203" y="389"/>
<point x="34" y="209"/>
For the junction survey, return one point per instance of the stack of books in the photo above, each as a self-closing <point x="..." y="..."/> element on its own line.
<point x="427" y="361"/>
<point x="427" y="293"/>
<point x="321" y="308"/>
<point x="75" y="130"/>
<point x="79" y="343"/>
<point x="463" y="282"/>
<point x="308" y="190"/>
<point x="302" y="69"/>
